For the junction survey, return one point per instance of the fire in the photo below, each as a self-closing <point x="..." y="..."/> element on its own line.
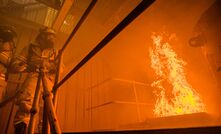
<point x="183" y="99"/>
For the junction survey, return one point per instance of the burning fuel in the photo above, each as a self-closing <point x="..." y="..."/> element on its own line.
<point x="175" y="96"/>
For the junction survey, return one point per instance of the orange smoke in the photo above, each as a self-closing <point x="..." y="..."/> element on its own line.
<point x="175" y="96"/>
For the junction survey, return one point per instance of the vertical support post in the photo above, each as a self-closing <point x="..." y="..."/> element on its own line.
<point x="50" y="111"/>
<point x="34" y="109"/>
<point x="45" y="125"/>
<point x="136" y="100"/>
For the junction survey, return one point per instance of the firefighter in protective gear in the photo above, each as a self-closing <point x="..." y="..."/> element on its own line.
<point x="207" y="33"/>
<point x="7" y="34"/>
<point x="39" y="54"/>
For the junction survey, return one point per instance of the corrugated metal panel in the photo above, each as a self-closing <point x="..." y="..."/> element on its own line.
<point x="93" y="100"/>
<point x="30" y="10"/>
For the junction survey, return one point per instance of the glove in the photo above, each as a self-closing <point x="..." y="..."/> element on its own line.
<point x="18" y="67"/>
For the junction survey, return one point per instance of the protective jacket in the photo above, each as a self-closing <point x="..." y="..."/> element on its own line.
<point x="33" y="58"/>
<point x="6" y="53"/>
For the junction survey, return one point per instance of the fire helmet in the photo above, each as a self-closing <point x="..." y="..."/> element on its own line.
<point x="47" y="30"/>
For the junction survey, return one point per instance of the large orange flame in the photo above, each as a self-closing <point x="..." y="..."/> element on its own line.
<point x="171" y="79"/>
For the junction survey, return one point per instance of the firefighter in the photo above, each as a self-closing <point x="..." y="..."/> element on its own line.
<point x="7" y="34"/>
<point x="207" y="34"/>
<point x="40" y="53"/>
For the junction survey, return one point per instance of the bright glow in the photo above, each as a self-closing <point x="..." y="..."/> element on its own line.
<point x="175" y="96"/>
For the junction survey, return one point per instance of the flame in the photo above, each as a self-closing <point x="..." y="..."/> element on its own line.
<point x="171" y="78"/>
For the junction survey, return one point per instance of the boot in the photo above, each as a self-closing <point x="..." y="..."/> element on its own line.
<point x="20" y="128"/>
